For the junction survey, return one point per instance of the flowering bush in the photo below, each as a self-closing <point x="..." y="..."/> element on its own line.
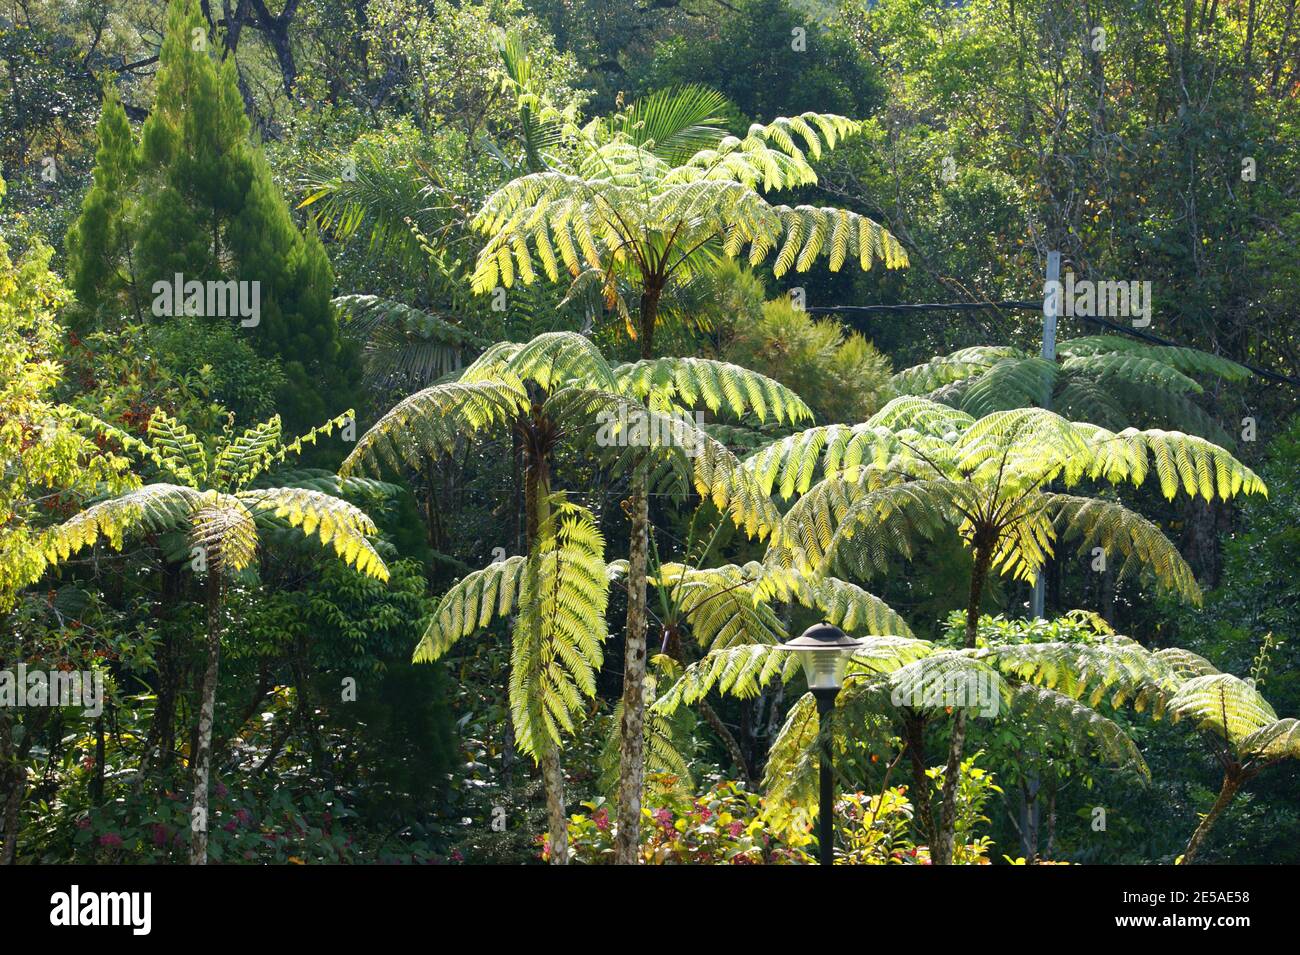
<point x="728" y="825"/>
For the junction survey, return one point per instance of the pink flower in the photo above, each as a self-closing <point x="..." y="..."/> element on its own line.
<point x="664" y="817"/>
<point x="456" y="856"/>
<point x="159" y="833"/>
<point x="705" y="815"/>
<point x="244" y="816"/>
<point x="735" y="829"/>
<point x="83" y="823"/>
<point x="221" y="790"/>
<point x="111" y="840"/>
<point x="601" y="819"/>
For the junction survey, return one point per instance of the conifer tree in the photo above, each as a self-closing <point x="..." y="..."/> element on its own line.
<point x="99" y="242"/>
<point x="200" y="202"/>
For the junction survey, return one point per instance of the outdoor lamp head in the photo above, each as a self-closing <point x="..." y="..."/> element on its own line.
<point x="825" y="652"/>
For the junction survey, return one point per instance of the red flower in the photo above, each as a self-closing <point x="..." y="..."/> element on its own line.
<point x="111" y="839"/>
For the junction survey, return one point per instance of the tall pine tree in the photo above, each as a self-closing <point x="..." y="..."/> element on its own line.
<point x="197" y="199"/>
<point x="100" y="262"/>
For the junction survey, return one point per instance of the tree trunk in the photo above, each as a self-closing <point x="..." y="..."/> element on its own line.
<point x="536" y="489"/>
<point x="14" y="777"/>
<point x="914" y="730"/>
<point x="557" y="823"/>
<point x="948" y="808"/>
<point x="1231" y="783"/>
<point x="203" y="751"/>
<point x="631" y="776"/>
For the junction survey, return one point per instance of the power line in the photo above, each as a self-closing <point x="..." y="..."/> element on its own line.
<point x="1018" y="305"/>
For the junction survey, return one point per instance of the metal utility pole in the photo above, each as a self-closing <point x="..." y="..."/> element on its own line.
<point x="1052" y="294"/>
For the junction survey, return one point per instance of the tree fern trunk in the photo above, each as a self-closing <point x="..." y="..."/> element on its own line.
<point x="946" y="843"/>
<point x="914" y="728"/>
<point x="631" y="777"/>
<point x="631" y="772"/>
<point x="203" y="751"/>
<point x="557" y="823"/>
<point x="1231" y="783"/>
<point x="536" y="491"/>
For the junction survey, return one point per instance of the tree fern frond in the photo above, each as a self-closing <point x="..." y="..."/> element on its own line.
<point x="945" y="369"/>
<point x="154" y="507"/>
<point x="428" y="423"/>
<point x="1121" y="532"/>
<point x="222" y="528"/>
<point x="181" y="452"/>
<point x="243" y="457"/>
<point x="557" y="646"/>
<point x="1044" y="708"/>
<point x="330" y="519"/>
<point x="717" y="385"/>
<point x="1222" y="704"/>
<point x="1189" y="361"/>
<point x="471" y="605"/>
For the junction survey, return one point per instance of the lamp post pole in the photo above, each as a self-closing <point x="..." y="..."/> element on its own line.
<point x="826" y="808"/>
<point x="825" y="652"/>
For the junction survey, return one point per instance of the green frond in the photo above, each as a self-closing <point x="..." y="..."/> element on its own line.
<point x="790" y="465"/>
<point x="181" y="452"/>
<point x="332" y="520"/>
<point x="674" y="123"/>
<point x="222" y="527"/>
<point x="719" y="604"/>
<point x="847" y="527"/>
<point x="1048" y="709"/>
<point x="740" y="671"/>
<point x="837" y="235"/>
<point x="793" y="758"/>
<point x="247" y="455"/>
<point x="665" y="763"/>
<point x="946" y="679"/>
<point x="945" y="369"/>
<point x="1189" y="361"/>
<point x="471" y="605"/>
<point x="1124" y="533"/>
<point x="552" y="360"/>
<point x="1184" y="663"/>
<point x="1279" y="740"/>
<point x="628" y="432"/>
<point x="921" y="415"/>
<point x="1131" y="367"/>
<point x="1223" y="704"/>
<point x="1195" y="465"/>
<point x="402" y="345"/>
<point x="717" y="385"/>
<point x="428" y="423"/>
<point x="1011" y="383"/>
<point x="1113" y="669"/>
<point x="841" y="603"/>
<point x="154" y="507"/>
<point x="556" y="650"/>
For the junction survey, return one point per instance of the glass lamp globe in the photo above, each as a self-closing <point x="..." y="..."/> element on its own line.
<point x="825" y="652"/>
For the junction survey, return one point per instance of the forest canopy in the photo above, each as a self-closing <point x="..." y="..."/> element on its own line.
<point x="422" y="424"/>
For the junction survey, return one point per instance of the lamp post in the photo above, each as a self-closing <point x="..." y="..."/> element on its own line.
<point x="825" y="652"/>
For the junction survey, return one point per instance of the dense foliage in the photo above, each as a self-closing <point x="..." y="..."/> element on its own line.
<point x="421" y="420"/>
